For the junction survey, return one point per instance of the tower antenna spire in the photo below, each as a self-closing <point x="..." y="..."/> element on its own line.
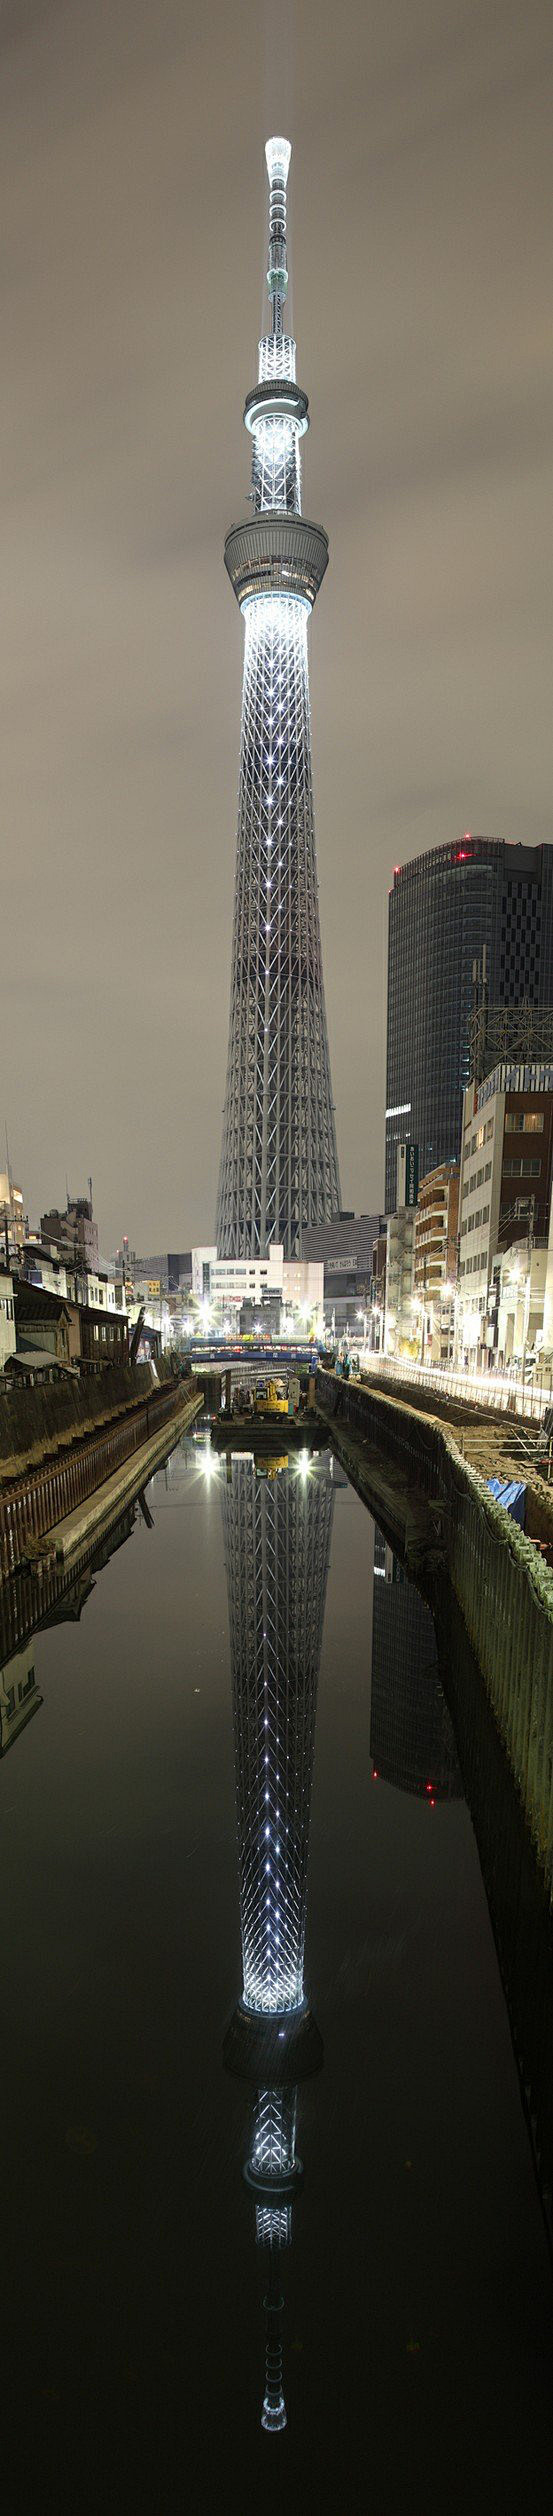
<point x="278" y="154"/>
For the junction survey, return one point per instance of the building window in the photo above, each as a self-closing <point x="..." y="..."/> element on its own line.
<point x="517" y="1168"/>
<point x="524" y="1122"/>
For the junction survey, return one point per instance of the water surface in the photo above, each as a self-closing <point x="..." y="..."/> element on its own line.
<point x="415" y="2333"/>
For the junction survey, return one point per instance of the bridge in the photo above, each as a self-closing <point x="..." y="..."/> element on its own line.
<point x="265" y="1354"/>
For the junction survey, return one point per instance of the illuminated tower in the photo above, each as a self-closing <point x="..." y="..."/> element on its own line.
<point x="277" y="1543"/>
<point x="279" y="1167"/>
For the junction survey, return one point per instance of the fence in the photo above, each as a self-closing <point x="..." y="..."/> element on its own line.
<point x="32" y="1504"/>
<point x="503" y="1393"/>
<point x="503" y="1588"/>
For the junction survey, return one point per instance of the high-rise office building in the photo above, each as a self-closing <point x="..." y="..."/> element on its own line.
<point x="279" y="1168"/>
<point x="481" y="901"/>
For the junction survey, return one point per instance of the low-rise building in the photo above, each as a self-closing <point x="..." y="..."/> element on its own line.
<point x="435" y="1261"/>
<point x="7" y="1316"/>
<point x="345" y="1246"/>
<point x="171" y="1268"/>
<point x="378" y="1286"/>
<point x="73" y="1233"/>
<point x="516" y="1300"/>
<point x="40" y="1264"/>
<point x="221" y="1285"/>
<point x="399" y="1321"/>
<point x="103" y="1338"/>
<point x="504" y="1211"/>
<point x="46" y="1324"/>
<point x="71" y="1332"/>
<point x="12" y="1220"/>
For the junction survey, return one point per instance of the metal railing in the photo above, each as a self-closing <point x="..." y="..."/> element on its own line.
<point x="32" y="1504"/>
<point x="503" y="1392"/>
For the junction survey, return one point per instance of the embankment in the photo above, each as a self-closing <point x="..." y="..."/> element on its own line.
<point x="59" y="1445"/>
<point x="502" y="1586"/>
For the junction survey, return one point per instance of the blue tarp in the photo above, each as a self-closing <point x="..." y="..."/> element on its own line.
<point x="511" y="1494"/>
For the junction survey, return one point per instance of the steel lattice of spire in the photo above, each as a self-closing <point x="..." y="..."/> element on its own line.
<point x="277" y="1545"/>
<point x="279" y="1167"/>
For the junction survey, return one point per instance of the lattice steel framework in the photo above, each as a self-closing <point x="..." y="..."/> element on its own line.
<point x="279" y="1167"/>
<point x="510" y="1034"/>
<point x="277" y="1546"/>
<point x="277" y="1543"/>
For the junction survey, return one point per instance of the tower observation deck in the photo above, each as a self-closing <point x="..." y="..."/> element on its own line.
<point x="279" y="1166"/>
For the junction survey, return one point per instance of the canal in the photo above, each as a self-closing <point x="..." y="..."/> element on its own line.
<point x="374" y="2332"/>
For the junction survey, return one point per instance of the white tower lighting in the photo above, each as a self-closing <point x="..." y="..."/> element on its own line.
<point x="277" y="1546"/>
<point x="279" y="1166"/>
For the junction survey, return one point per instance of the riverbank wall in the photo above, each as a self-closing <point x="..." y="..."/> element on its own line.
<point x="503" y="1588"/>
<point x="59" y="1445"/>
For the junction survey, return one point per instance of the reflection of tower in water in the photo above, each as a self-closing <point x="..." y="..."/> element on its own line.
<point x="277" y="1543"/>
<point x="412" y="1742"/>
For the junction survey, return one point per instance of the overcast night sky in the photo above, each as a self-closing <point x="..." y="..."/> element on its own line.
<point x="132" y="251"/>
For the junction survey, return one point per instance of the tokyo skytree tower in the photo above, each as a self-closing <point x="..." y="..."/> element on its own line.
<point x="279" y="1165"/>
<point x="277" y="1544"/>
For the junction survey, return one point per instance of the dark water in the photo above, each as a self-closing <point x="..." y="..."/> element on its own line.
<point x="413" y="2347"/>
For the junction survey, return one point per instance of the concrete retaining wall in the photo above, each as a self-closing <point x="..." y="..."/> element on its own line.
<point x="44" y="1492"/>
<point x="35" y="1423"/>
<point x="504" y="1590"/>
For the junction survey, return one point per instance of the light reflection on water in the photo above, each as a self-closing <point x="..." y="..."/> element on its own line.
<point x="263" y="1612"/>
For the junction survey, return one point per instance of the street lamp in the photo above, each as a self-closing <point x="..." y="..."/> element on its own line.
<point x="447" y="1295"/>
<point x="418" y="1311"/>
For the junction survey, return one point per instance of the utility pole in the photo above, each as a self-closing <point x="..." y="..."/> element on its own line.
<point x="528" y="1290"/>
